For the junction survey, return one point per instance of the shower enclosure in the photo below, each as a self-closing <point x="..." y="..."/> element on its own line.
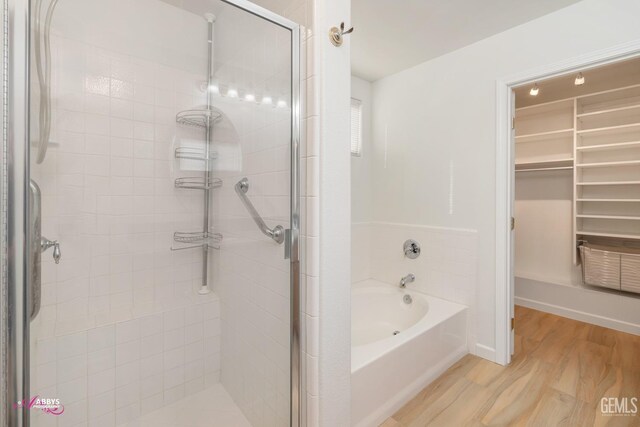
<point x="152" y="214"/>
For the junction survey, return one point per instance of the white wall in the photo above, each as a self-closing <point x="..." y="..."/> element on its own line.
<point x="437" y="166"/>
<point x="331" y="78"/>
<point x="544" y="214"/>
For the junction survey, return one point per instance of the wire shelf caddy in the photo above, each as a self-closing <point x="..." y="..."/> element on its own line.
<point x="198" y="183"/>
<point x="196" y="239"/>
<point x="194" y="153"/>
<point x="201" y="117"/>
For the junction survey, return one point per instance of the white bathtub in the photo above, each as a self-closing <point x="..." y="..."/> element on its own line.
<point x="387" y="370"/>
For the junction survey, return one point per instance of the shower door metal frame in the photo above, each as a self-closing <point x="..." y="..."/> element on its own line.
<point x="17" y="57"/>
<point x="17" y="174"/>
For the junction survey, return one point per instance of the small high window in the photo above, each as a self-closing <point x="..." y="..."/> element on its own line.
<point x="356" y="127"/>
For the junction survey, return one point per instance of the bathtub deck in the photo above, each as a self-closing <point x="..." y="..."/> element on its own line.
<point x="559" y="373"/>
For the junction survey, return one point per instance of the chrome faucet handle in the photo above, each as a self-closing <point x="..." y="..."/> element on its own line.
<point x="46" y="244"/>
<point x="411" y="249"/>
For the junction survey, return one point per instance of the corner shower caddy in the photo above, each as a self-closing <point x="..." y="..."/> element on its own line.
<point x="203" y="118"/>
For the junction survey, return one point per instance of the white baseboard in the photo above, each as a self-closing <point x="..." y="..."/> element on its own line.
<point x="485" y="352"/>
<point x="594" y="319"/>
<point x="604" y="308"/>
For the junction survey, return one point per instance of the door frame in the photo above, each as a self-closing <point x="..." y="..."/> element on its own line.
<point x="17" y="173"/>
<point x="505" y="173"/>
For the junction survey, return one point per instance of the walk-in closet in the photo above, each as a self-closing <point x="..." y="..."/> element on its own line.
<point x="577" y="195"/>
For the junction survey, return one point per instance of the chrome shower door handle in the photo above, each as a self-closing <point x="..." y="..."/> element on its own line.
<point x="35" y="249"/>
<point x="37" y="245"/>
<point x="46" y="244"/>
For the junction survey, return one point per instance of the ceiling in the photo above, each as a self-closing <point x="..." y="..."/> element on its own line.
<point x="200" y="7"/>
<point x="619" y="74"/>
<point x="392" y="35"/>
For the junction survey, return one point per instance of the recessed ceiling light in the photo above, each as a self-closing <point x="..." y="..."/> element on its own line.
<point x="534" y="90"/>
<point x="579" y="80"/>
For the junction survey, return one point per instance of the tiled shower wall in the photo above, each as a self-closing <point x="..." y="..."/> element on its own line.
<point x="122" y="330"/>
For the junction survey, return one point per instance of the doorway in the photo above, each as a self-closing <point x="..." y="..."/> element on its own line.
<point x="537" y="158"/>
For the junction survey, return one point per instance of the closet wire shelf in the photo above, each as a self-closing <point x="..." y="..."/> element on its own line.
<point x="196" y="239"/>
<point x="201" y="117"/>
<point x="193" y="153"/>
<point x="198" y="183"/>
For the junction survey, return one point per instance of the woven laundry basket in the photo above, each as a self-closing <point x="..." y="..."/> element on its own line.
<point x="630" y="272"/>
<point x="600" y="267"/>
<point x="611" y="267"/>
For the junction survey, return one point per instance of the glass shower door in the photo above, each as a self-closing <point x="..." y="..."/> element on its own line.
<point x="163" y="214"/>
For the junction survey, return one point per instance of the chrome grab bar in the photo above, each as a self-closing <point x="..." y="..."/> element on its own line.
<point x="276" y="233"/>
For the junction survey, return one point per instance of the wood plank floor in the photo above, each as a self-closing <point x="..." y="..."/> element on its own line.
<point x="560" y="370"/>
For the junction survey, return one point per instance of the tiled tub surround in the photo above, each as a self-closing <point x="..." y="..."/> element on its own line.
<point x="122" y="330"/>
<point x="445" y="269"/>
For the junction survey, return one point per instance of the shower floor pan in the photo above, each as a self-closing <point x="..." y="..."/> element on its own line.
<point x="211" y="407"/>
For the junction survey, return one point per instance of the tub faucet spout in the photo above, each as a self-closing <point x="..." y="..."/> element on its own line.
<point x="407" y="279"/>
